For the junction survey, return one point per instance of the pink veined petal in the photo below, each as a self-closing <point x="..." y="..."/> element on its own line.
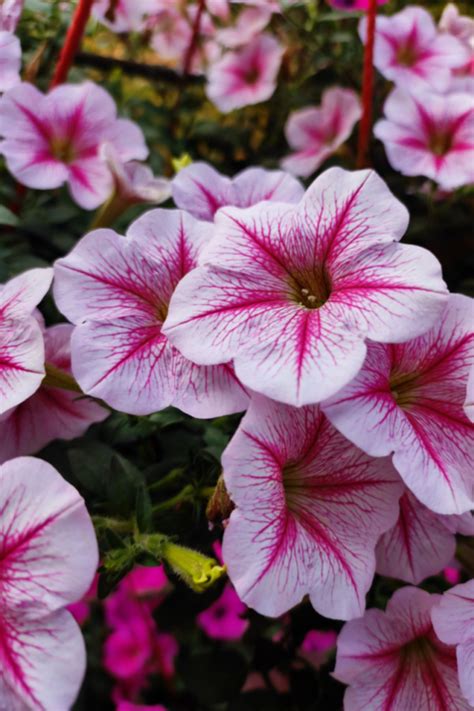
<point x="43" y="661"/>
<point x="20" y="295"/>
<point x="465" y="658"/>
<point x="48" y="547"/>
<point x="90" y="182"/>
<point x="309" y="510"/>
<point x="21" y="360"/>
<point x="128" y="140"/>
<point x="254" y="185"/>
<point x="453" y="616"/>
<point x="419" y="545"/>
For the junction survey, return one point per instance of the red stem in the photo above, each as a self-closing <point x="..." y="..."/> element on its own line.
<point x="367" y="87"/>
<point x="72" y="41"/>
<point x="189" y="56"/>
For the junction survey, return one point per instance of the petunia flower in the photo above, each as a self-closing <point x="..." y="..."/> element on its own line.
<point x="249" y="23"/>
<point x="430" y="134"/>
<point x="460" y="26"/>
<point x="316" y="132"/>
<point x="246" y="76"/>
<point x="10" y="13"/>
<point x="411" y="52"/>
<point x="21" y="338"/>
<point x="408" y="399"/>
<point x="123" y="15"/>
<point x="453" y="621"/>
<point x="129" y="706"/>
<point x="317" y="646"/>
<point x="59" y="141"/>
<point x="352" y="5"/>
<point x="309" y="510"/>
<point x="393" y="659"/>
<point x="421" y="543"/>
<point x="48" y="560"/>
<point x="10" y="60"/>
<point x="201" y="190"/>
<point x="291" y="292"/>
<point x="51" y="412"/>
<point x="223" y="619"/>
<point x="116" y="290"/>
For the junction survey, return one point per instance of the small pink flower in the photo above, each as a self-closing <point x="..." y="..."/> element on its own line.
<point x="291" y="292"/>
<point x="352" y="5"/>
<point x="123" y="15"/>
<point x="60" y="140"/>
<point x="453" y="621"/>
<point x="411" y="52"/>
<point x="421" y="543"/>
<point x="393" y="659"/>
<point x="408" y="399"/>
<point x="460" y="26"/>
<point x="223" y="619"/>
<point x="48" y="557"/>
<point x="128" y="706"/>
<point x="172" y="33"/>
<point x="247" y="76"/>
<point x="21" y="337"/>
<point x="201" y="190"/>
<point x="316" y="132"/>
<point x="430" y="134"/>
<point x="50" y="413"/>
<point x="249" y="23"/>
<point x="117" y="290"/>
<point x="10" y="61"/>
<point x="135" y="182"/>
<point x="10" y="12"/>
<point x="128" y="649"/>
<point x="452" y="575"/>
<point x="317" y="646"/>
<point x="310" y="508"/>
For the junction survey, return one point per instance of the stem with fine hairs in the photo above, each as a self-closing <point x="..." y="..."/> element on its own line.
<point x="72" y="41"/>
<point x="367" y="88"/>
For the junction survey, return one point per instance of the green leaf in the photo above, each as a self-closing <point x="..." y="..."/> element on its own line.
<point x="143" y="510"/>
<point x="7" y="217"/>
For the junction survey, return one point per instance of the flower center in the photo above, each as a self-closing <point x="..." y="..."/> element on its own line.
<point x="403" y="388"/>
<point x="251" y="75"/>
<point x="440" y="143"/>
<point x="62" y="149"/>
<point x="293" y="485"/>
<point x="311" y="289"/>
<point x="407" y="55"/>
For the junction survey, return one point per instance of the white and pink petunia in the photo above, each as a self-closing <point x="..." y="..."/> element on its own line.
<point x="309" y="510"/>
<point x="430" y="134"/>
<point x="246" y="76"/>
<point x="201" y="190"/>
<point x="411" y="52"/>
<point x="292" y="292"/>
<point x="51" y="412"/>
<point x="48" y="558"/>
<point x="394" y="660"/>
<point x="249" y="23"/>
<point x="21" y="337"/>
<point x="460" y="26"/>
<point x="409" y="399"/>
<point x="134" y="181"/>
<point x="10" y="12"/>
<point x="123" y="15"/>
<point x="453" y="621"/>
<point x="421" y="543"/>
<point x="116" y="290"/>
<point x="56" y="138"/>
<point x="10" y="60"/>
<point x="316" y="132"/>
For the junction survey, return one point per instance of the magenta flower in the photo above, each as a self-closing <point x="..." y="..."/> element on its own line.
<point x="223" y="619"/>
<point x="411" y="52"/>
<point x="117" y="289"/>
<point x="317" y="646"/>
<point x="421" y="543"/>
<point x="201" y="190"/>
<point x="48" y="557"/>
<point x="310" y="508"/>
<point x="50" y="413"/>
<point x="453" y="621"/>
<point x="10" y="12"/>
<point x="291" y="292"/>
<point x="128" y="649"/>
<point x="21" y="338"/>
<point x="59" y="142"/>
<point x="316" y="132"/>
<point x="393" y="659"/>
<point x="352" y="5"/>
<point x="128" y="706"/>
<point x="10" y="60"/>
<point x="246" y="76"/>
<point x="430" y="134"/>
<point x="408" y="399"/>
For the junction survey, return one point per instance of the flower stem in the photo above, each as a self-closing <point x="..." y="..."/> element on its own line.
<point x="56" y="378"/>
<point x="189" y="56"/>
<point x="367" y="87"/>
<point x="72" y="42"/>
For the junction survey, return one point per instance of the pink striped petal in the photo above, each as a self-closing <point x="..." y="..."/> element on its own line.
<point x="20" y="295"/>
<point x="309" y="510"/>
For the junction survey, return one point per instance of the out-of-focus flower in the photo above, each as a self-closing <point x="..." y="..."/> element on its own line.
<point x="460" y="26"/>
<point x="352" y="5"/>
<point x="48" y="559"/>
<point x="453" y="621"/>
<point x="316" y="132"/>
<point x="201" y="190"/>
<point x="317" y="646"/>
<point x="291" y="292"/>
<point x="135" y="182"/>
<point x="21" y="337"/>
<point x="411" y="52"/>
<point x="51" y="412"/>
<point x="223" y="619"/>
<point x="408" y="399"/>
<point x="128" y="706"/>
<point x="10" y="13"/>
<point x="421" y="543"/>
<point x="172" y="33"/>
<point x="59" y="140"/>
<point x="393" y="659"/>
<point x="430" y="134"/>
<point x="310" y="508"/>
<point x="246" y="76"/>
<point x="452" y="575"/>
<point x="249" y="23"/>
<point x="140" y="592"/>
<point x="128" y="648"/>
<point x="117" y="291"/>
<point x="219" y="8"/>
<point x="10" y="61"/>
<point x="123" y="15"/>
